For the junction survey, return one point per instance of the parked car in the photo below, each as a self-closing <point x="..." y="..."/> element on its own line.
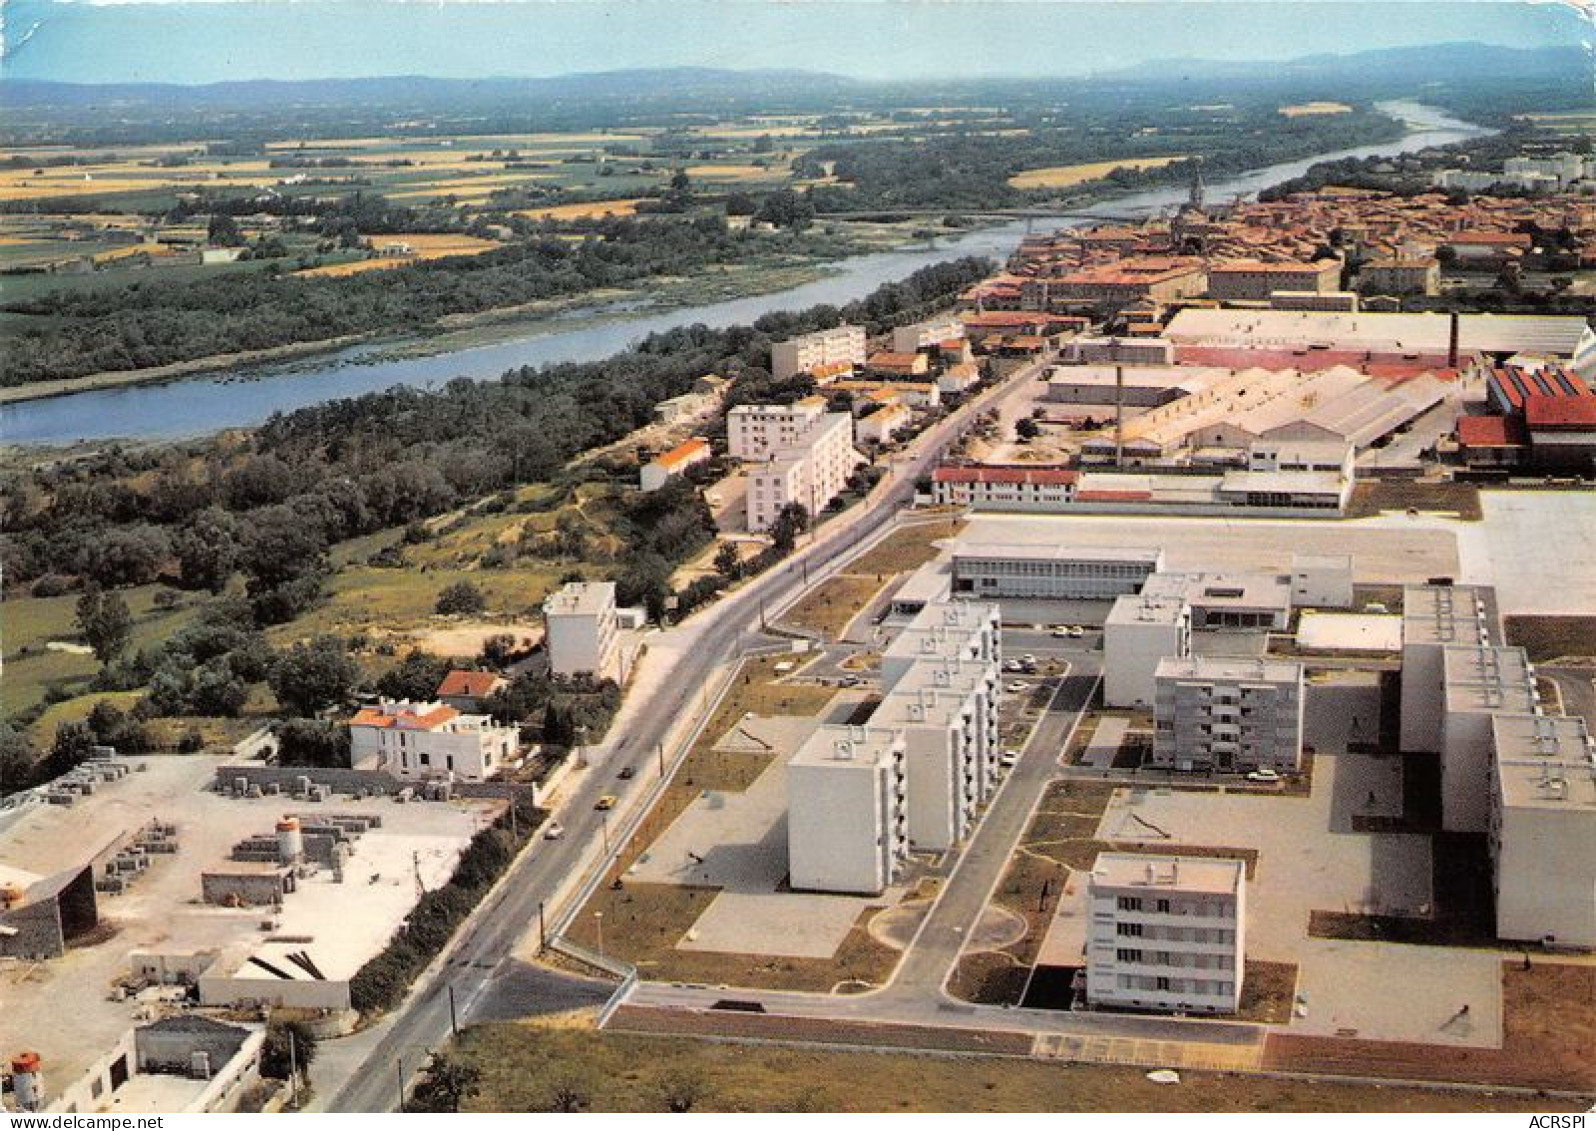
<point x="1010" y="758"/>
<point x="1017" y="686"/>
<point x="1077" y="631"/>
<point x="606" y="802"/>
<point x="1011" y="665"/>
<point x="1028" y="659"/>
<point x="851" y="681"/>
<point x="626" y="773"/>
<point x="554" y="831"/>
<point x="1061" y="632"/>
<point x="1263" y="775"/>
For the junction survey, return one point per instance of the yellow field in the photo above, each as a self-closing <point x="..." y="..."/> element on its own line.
<point x="423" y="245"/>
<point x="151" y="249"/>
<point x="467" y="188"/>
<point x="592" y="210"/>
<point x="731" y="172"/>
<point x="1309" y="109"/>
<point x="1063" y="176"/>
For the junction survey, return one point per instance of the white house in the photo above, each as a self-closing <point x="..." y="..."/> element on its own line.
<point x="430" y="740"/>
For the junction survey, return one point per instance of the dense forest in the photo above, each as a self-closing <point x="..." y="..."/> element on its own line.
<point x="150" y="323"/>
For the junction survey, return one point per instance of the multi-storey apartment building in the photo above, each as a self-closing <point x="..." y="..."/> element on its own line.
<point x="837" y="346"/>
<point x="1139" y="633"/>
<point x="1478" y="683"/>
<point x="1433" y="618"/>
<point x="847" y="810"/>
<point x="582" y="632"/>
<point x="1543" y="829"/>
<point x="1251" y="280"/>
<point x="1228" y="715"/>
<point x="1166" y="933"/>
<point x="757" y="431"/>
<point x="811" y="470"/>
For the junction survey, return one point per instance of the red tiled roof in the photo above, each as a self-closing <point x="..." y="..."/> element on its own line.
<point x="1102" y="495"/>
<point x="1040" y="476"/>
<point x="684" y="452"/>
<point x="1490" y="432"/>
<point x="892" y="360"/>
<point x="405" y="719"/>
<point x="468" y="684"/>
<point x="1560" y="412"/>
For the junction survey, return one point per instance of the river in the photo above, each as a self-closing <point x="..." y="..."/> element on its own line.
<point x="245" y="397"/>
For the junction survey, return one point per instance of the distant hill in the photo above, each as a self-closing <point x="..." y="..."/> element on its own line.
<point x="1441" y="62"/>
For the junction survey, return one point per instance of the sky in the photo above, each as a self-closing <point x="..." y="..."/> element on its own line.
<point x="202" y="41"/>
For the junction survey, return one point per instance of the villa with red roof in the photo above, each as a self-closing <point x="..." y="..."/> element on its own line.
<point x="419" y="741"/>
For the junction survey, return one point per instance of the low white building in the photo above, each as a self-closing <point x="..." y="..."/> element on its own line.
<point x="581" y="631"/>
<point x="430" y="740"/>
<point x="1435" y="617"/>
<point x="1037" y="571"/>
<point x="881" y="426"/>
<point x="1321" y="581"/>
<point x="658" y="471"/>
<point x="1479" y="683"/>
<point x="1543" y="830"/>
<point x="1004" y="488"/>
<point x="1166" y="933"/>
<point x="847" y="810"/>
<point x="1255" y="602"/>
<point x="1139" y="633"/>
<point x="839" y="345"/>
<point x="1228" y="715"/>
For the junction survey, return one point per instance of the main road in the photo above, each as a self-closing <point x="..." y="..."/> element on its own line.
<point x="362" y="1073"/>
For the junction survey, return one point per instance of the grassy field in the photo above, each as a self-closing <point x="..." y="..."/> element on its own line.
<point x="527" y="1068"/>
<point x="1376" y="496"/>
<point x="1547" y="638"/>
<point x="30" y="623"/>
<point x="420" y="246"/>
<point x="829" y="606"/>
<point x="908" y="548"/>
<point x="1067" y="176"/>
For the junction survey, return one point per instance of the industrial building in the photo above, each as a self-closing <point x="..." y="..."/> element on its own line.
<point x="1138" y="634"/>
<point x="842" y="345"/>
<point x="1166" y="933"/>
<point x="184" y="1063"/>
<point x="1558" y="335"/>
<point x="1043" y="572"/>
<point x="41" y="915"/>
<point x="1478" y="683"/>
<point x="582" y="631"/>
<point x="430" y="740"/>
<point x="1542" y="829"/>
<point x="847" y="810"/>
<point x="1227" y="715"/>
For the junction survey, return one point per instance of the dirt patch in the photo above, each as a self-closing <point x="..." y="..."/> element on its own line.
<point x="1375" y="496"/>
<point x="909" y="548"/>
<point x="829" y="606"/>
<point x="468" y="639"/>
<point x="1548" y="638"/>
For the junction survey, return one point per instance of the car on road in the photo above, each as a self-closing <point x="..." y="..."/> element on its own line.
<point x="605" y="803"/>
<point x="554" y="831"/>
<point x="1011" y="665"/>
<point x="1077" y="631"/>
<point x="851" y="681"/>
<point x="626" y="773"/>
<point x="1017" y="686"/>
<point x="1062" y="632"/>
<point x="1028" y="659"/>
<point x="1263" y="775"/>
<point x="1010" y="758"/>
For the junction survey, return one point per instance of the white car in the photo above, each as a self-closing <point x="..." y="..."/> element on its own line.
<point x="1011" y="665"/>
<point x="1062" y="633"/>
<point x="1018" y="686"/>
<point x="554" y="832"/>
<point x="1263" y="775"/>
<point x="1077" y="631"/>
<point x="1010" y="758"/>
<point x="1028" y="659"/>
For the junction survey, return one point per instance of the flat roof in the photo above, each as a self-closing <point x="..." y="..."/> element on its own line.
<point x="917" y="706"/>
<point x="1349" y="632"/>
<point x="1564" y="737"/>
<point x="846" y="747"/>
<point x="1222" y="590"/>
<point x="927" y="584"/>
<point x="1321" y="561"/>
<point x="1444" y="614"/>
<point x="1493" y="333"/>
<point x="576" y="598"/>
<point x="1041" y="551"/>
<point x="1197" y="874"/>
<point x="1544" y="762"/>
<point x="1487" y="678"/>
<point x="1287" y="482"/>
<point x="1145" y="609"/>
<point x="1229" y="668"/>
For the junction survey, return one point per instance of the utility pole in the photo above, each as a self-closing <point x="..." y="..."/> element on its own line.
<point x="399" y="1061"/>
<point x="293" y="1067"/>
<point x="454" y="1019"/>
<point x="659" y="750"/>
<point x="543" y="930"/>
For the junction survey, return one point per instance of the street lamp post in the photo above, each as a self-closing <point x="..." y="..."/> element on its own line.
<point x="598" y="926"/>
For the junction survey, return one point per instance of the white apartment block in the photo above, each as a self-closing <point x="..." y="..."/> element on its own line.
<point x="924" y="335"/>
<point x="1478" y="683"/>
<point x="989" y="570"/>
<point x="1227" y="715"/>
<point x="1004" y="488"/>
<point x="847" y="810"/>
<point x="841" y="345"/>
<point x="757" y="431"/>
<point x="430" y="740"/>
<point x="1434" y="617"/>
<point x="811" y="471"/>
<point x="1139" y="633"/>
<point x="1166" y="933"/>
<point x="944" y="630"/>
<point x="581" y="631"/>
<point x="942" y="677"/>
<point x="1543" y="830"/>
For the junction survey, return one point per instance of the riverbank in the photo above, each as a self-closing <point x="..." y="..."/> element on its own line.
<point x="466" y="331"/>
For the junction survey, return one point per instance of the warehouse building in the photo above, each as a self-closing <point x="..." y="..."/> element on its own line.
<point x="1041" y="572"/>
